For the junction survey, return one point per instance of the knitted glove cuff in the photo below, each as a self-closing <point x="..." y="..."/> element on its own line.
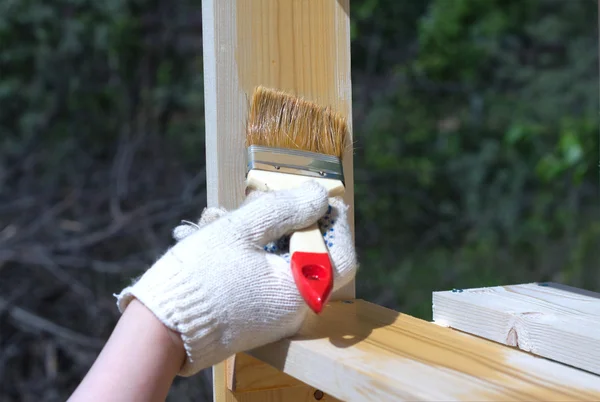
<point x="168" y="290"/>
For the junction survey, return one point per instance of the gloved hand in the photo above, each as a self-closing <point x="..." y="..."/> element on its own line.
<point x="227" y="286"/>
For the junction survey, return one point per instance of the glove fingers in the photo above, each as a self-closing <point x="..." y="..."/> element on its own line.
<point x="252" y="196"/>
<point x="338" y="238"/>
<point x="270" y="216"/>
<point x="208" y="216"/>
<point x="183" y="230"/>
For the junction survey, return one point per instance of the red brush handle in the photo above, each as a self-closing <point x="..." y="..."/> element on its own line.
<point x="311" y="267"/>
<point x="314" y="277"/>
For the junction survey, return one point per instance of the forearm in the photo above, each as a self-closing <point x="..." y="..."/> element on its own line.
<point x="138" y="363"/>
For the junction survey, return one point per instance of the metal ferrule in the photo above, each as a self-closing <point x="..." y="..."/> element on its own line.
<point x="293" y="161"/>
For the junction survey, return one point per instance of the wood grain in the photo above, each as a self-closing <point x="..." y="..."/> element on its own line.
<point x="254" y="380"/>
<point x="363" y="352"/>
<point x="292" y="394"/>
<point x="253" y="375"/>
<point x="550" y="320"/>
<point x="301" y="46"/>
<point x="296" y="394"/>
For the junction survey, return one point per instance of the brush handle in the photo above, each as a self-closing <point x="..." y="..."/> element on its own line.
<point x="311" y="266"/>
<point x="273" y="181"/>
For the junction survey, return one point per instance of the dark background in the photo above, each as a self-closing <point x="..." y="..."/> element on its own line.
<point x="476" y="162"/>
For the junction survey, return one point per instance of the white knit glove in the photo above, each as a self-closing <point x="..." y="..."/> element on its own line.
<point x="227" y="286"/>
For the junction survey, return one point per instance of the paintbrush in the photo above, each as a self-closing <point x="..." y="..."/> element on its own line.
<point x="290" y="141"/>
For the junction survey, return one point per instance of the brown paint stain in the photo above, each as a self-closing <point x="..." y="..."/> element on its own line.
<point x="253" y="375"/>
<point x="296" y="46"/>
<point x="302" y="47"/>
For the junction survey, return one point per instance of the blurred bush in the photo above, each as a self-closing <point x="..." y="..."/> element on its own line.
<point x="477" y="154"/>
<point x="101" y="154"/>
<point x="476" y="158"/>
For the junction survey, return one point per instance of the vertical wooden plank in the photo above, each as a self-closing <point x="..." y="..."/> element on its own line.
<point x="296" y="45"/>
<point x="301" y="46"/>
<point x="225" y="106"/>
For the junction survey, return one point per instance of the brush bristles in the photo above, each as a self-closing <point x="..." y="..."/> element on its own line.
<point x="280" y="120"/>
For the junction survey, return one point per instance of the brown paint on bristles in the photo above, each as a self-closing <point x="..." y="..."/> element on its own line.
<point x="280" y="120"/>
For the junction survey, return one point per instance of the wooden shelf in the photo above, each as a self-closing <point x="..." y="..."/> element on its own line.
<point x="358" y="351"/>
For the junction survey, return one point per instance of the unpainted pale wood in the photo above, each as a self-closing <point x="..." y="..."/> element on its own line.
<point x="363" y="352"/>
<point x="550" y="320"/>
<point x="299" y="46"/>
<point x="221" y="392"/>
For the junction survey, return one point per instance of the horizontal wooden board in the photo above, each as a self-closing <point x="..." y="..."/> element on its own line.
<point x="358" y="351"/>
<point x="547" y="319"/>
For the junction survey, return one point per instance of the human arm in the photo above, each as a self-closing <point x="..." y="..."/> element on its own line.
<point x="225" y="287"/>
<point x="138" y="363"/>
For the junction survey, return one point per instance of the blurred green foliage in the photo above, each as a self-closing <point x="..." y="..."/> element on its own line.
<point x="477" y="164"/>
<point x="88" y="73"/>
<point x="476" y="125"/>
